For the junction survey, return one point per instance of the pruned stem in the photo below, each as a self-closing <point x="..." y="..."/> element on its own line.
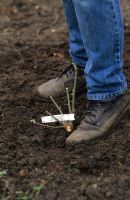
<point x="74" y="88"/>
<point x="68" y="99"/>
<point x="59" y="109"/>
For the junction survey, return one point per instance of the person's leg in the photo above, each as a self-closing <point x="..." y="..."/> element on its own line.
<point x="101" y="28"/>
<point x="102" y="32"/>
<point x="57" y="87"/>
<point x="77" y="50"/>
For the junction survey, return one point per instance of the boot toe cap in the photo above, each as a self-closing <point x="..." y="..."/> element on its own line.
<point x="53" y="88"/>
<point x="42" y="92"/>
<point x="76" y="138"/>
<point x="79" y="137"/>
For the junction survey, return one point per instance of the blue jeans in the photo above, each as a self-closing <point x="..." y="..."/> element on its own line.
<point x="96" y="43"/>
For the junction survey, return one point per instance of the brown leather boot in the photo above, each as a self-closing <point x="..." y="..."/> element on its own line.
<point x="100" y="117"/>
<point x="57" y="87"/>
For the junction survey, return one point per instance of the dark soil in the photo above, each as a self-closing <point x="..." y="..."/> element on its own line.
<point x="35" y="160"/>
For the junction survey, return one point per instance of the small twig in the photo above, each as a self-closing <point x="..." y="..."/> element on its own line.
<point x="68" y="99"/>
<point x="46" y="126"/>
<point x="74" y="88"/>
<point x="58" y="108"/>
<point x="48" y="26"/>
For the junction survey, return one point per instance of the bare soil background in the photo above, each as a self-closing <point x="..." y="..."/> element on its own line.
<point x="34" y="162"/>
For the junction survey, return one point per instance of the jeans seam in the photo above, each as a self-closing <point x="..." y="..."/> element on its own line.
<point x="117" y="33"/>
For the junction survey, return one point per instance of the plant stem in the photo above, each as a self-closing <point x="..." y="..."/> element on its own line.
<point x="68" y="99"/>
<point x="74" y="88"/>
<point x="59" y="109"/>
<point x="48" y="126"/>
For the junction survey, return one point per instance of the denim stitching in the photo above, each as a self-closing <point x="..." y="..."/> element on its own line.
<point x="118" y="53"/>
<point x="107" y="96"/>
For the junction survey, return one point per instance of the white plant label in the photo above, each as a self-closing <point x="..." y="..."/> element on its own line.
<point x="61" y="118"/>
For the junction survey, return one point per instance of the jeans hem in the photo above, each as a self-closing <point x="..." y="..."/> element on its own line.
<point x="108" y="96"/>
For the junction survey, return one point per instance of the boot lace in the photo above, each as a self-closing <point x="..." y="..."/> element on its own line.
<point x="67" y="72"/>
<point x="91" y="112"/>
<point x="91" y="107"/>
